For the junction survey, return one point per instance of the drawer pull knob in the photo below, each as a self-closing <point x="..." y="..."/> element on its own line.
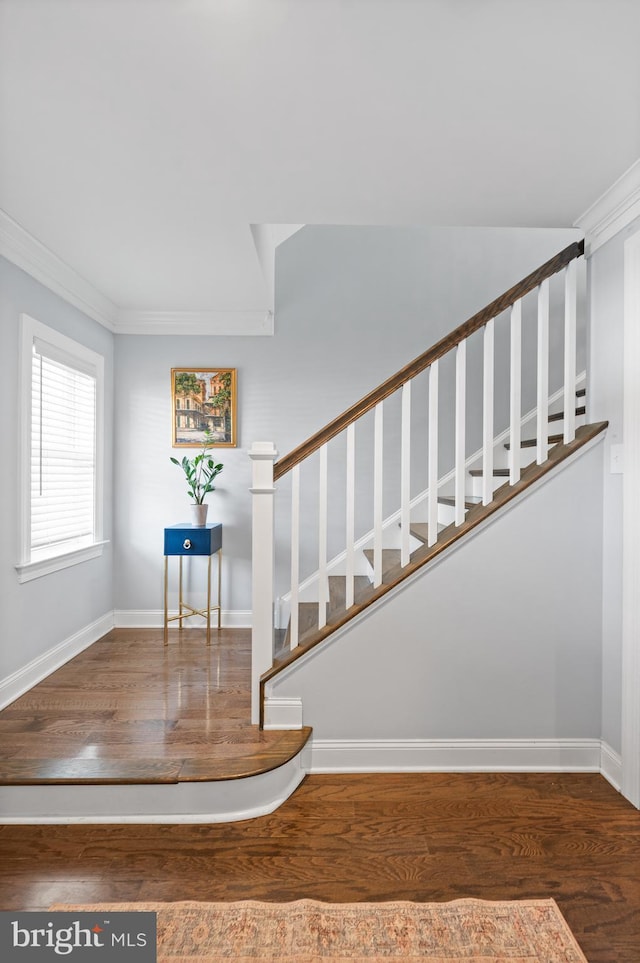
<point x="187" y="543"/>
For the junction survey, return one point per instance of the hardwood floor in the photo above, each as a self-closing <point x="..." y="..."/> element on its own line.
<point x="367" y="837"/>
<point x="434" y="836"/>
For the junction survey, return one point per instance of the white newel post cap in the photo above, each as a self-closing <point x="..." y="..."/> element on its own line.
<point x="263" y="454"/>
<point x="263" y="450"/>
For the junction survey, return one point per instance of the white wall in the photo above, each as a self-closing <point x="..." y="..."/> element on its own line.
<point x="500" y="640"/>
<point x="606" y="281"/>
<point x="48" y="611"/>
<point x="352" y="306"/>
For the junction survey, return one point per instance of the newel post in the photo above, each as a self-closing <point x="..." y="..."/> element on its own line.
<point x="263" y="455"/>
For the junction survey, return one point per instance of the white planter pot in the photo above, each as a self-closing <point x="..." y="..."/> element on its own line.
<point x="199" y="515"/>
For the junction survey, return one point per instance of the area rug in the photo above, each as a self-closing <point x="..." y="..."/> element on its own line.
<point x="306" y="931"/>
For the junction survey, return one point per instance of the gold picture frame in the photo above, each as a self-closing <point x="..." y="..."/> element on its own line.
<point x="204" y="399"/>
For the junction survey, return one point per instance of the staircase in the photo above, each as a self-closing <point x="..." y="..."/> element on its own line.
<point x="415" y="466"/>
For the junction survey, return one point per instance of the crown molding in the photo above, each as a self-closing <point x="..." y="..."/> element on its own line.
<point x="211" y="323"/>
<point x="613" y="211"/>
<point x="29" y="254"/>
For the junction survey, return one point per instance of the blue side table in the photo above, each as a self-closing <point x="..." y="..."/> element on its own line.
<point x="183" y="540"/>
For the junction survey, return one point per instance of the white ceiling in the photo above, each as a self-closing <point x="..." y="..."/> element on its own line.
<point x="141" y="139"/>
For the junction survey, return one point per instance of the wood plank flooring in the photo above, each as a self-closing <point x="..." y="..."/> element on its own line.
<point x="131" y="710"/>
<point x="372" y="837"/>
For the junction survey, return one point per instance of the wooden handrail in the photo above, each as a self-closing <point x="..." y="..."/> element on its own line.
<point x="419" y="364"/>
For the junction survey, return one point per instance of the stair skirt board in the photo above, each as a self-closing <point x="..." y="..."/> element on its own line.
<point x="465" y="755"/>
<point x="223" y="801"/>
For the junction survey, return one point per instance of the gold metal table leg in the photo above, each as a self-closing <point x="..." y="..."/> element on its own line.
<point x="166" y="609"/>
<point x="219" y="588"/>
<point x="209" y="602"/>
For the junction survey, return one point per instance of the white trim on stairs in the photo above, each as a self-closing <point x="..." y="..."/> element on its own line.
<point x="281" y="712"/>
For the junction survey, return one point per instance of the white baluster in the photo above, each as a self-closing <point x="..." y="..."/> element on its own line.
<point x="433" y="454"/>
<point x="295" y="557"/>
<point x="377" y="495"/>
<point x="262" y="454"/>
<point x="487" y="413"/>
<point x="570" y="294"/>
<point x="350" y="515"/>
<point x="542" y="414"/>
<point x="516" y="392"/>
<point x="405" y="476"/>
<point x="461" y="386"/>
<point x="323" y="585"/>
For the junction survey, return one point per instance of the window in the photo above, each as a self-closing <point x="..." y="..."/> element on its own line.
<point x="61" y="486"/>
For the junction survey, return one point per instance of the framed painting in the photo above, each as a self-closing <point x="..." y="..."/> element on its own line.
<point x="204" y="399"/>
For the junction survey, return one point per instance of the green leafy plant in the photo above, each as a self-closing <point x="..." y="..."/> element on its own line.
<point x="200" y="471"/>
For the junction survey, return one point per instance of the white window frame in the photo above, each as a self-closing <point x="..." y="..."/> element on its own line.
<point x="86" y="358"/>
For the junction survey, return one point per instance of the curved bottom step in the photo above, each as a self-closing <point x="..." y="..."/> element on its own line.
<point x="217" y="801"/>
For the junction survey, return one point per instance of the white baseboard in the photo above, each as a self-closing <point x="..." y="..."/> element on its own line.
<point x="611" y="765"/>
<point x="154" y="619"/>
<point x="15" y="685"/>
<point x="455" y="755"/>
<point x="282" y="713"/>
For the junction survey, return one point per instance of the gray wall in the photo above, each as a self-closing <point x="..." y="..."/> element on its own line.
<point x="40" y="614"/>
<point x="353" y="305"/>
<point x="500" y="640"/>
<point x="606" y="281"/>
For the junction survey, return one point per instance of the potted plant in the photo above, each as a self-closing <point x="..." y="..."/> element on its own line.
<point x="200" y="473"/>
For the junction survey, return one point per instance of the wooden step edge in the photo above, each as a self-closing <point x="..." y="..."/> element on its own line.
<point x="452" y="534"/>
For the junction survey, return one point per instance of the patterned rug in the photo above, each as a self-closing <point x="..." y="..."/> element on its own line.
<point x="306" y="931"/>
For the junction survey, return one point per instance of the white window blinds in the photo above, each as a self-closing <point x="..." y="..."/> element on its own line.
<point x="63" y="452"/>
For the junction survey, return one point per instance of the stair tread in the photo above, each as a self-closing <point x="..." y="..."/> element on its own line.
<point x="581" y="392"/>
<point x="470" y="500"/>
<point x="308" y="611"/>
<point x="420" y="530"/>
<point x="338" y="591"/>
<point x="559" y="415"/>
<point x="532" y="442"/>
<point x="497" y="472"/>
<point x="390" y="559"/>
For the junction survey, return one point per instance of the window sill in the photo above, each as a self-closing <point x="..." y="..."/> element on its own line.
<point x="27" y="571"/>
